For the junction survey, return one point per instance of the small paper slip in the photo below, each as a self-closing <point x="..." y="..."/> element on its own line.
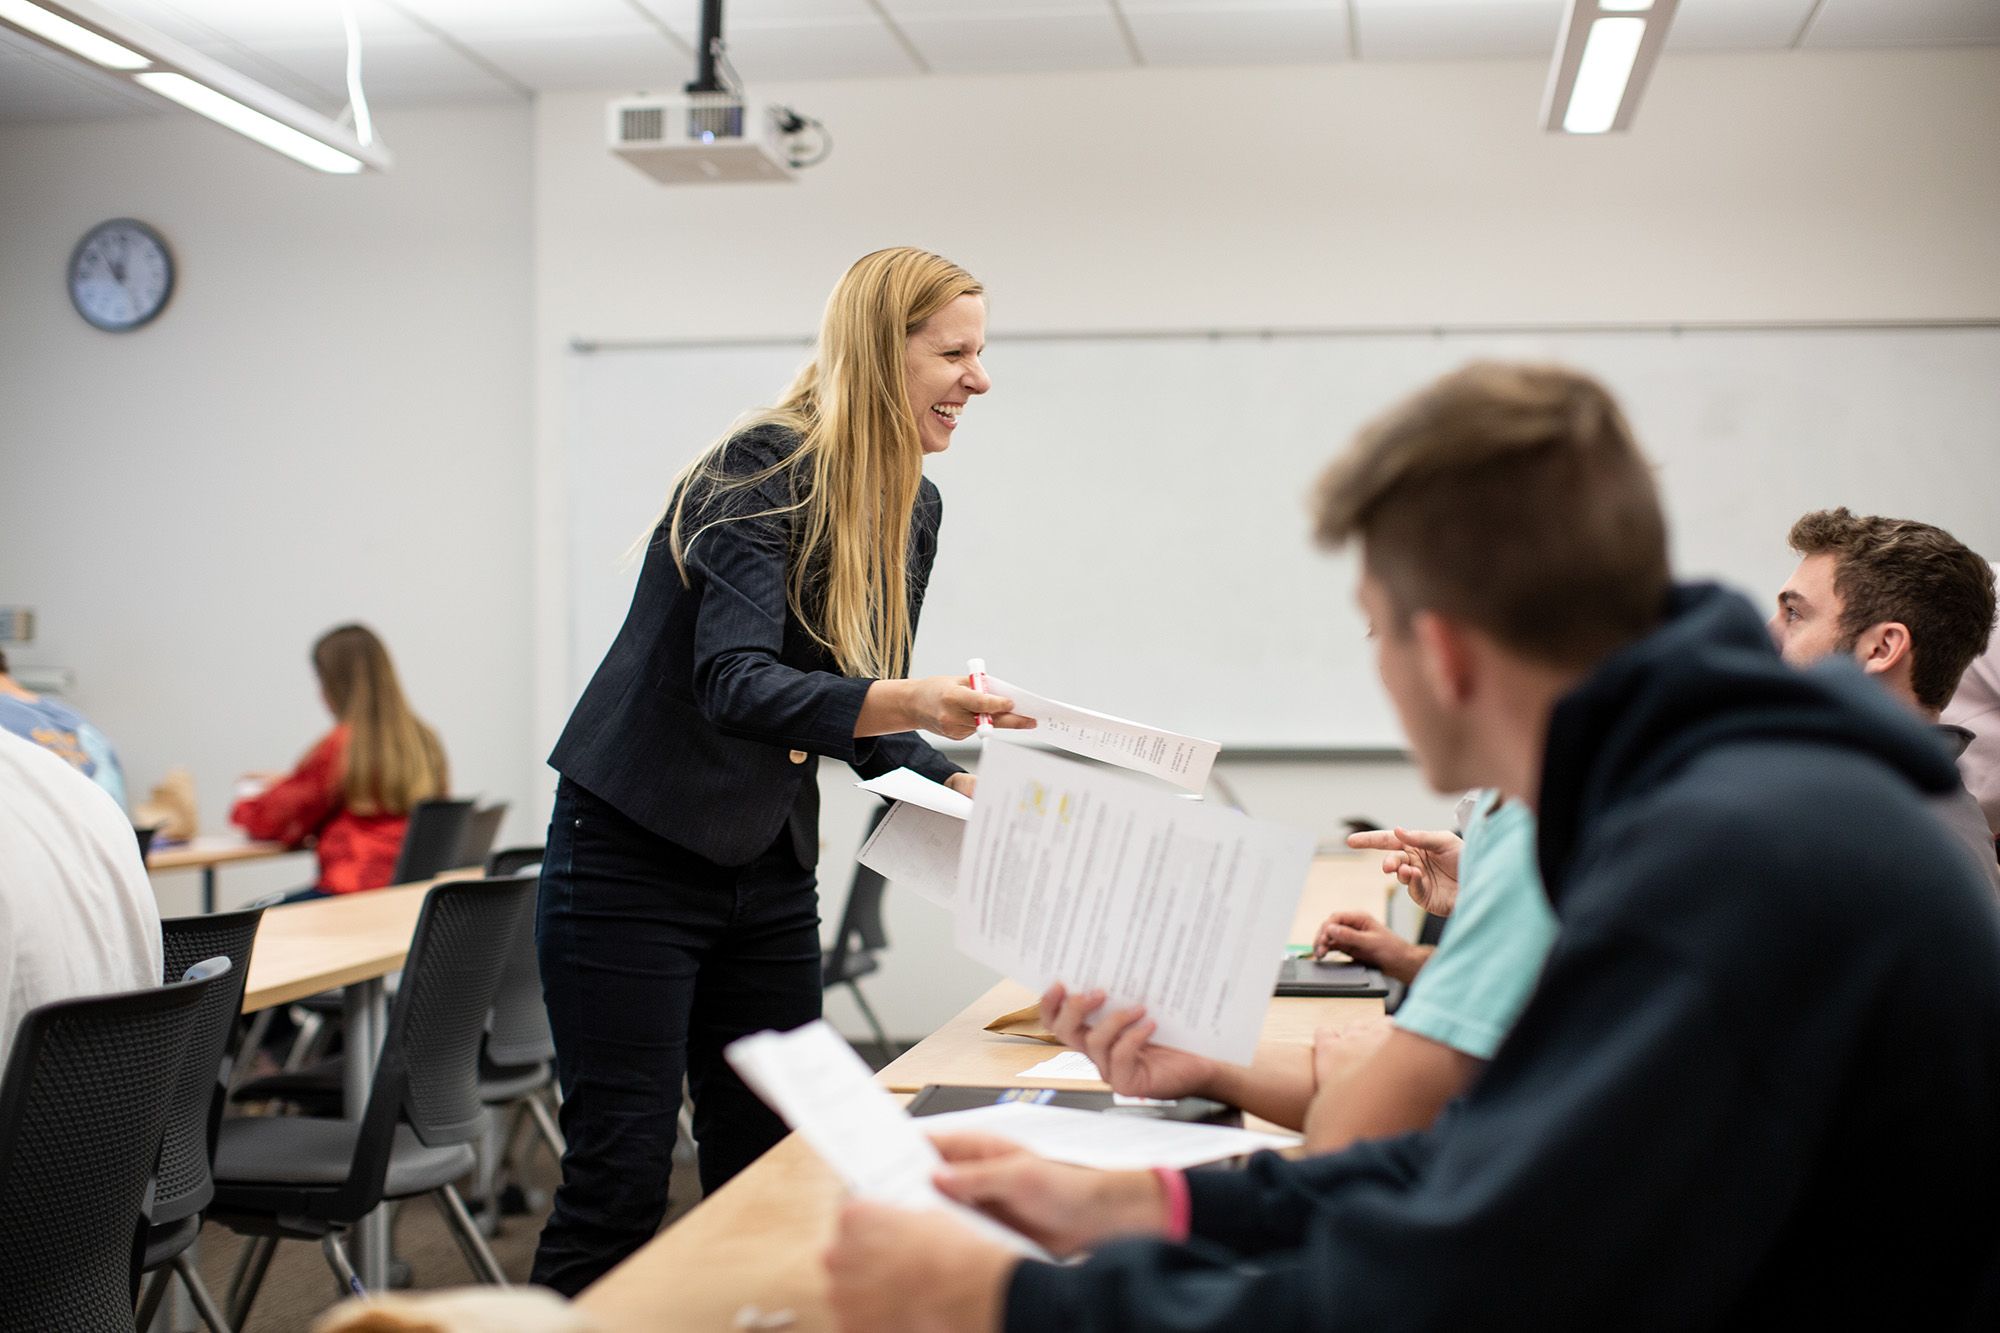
<point x="813" y="1078"/>
<point x="917" y="844"/>
<point x="903" y="784"/>
<point x="1181" y="760"/>
<point x="1076" y="875"/>
<point x="1105" y="1139"/>
<point x="1070" y="1064"/>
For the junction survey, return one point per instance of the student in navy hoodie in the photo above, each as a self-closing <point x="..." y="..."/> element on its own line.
<point x="1759" y="1081"/>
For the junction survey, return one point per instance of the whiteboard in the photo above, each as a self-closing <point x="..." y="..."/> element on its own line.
<point x="1125" y="516"/>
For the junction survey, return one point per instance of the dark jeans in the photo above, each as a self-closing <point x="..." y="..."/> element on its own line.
<point x="654" y="959"/>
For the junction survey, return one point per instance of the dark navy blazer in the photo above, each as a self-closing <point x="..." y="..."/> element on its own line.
<point x="705" y="720"/>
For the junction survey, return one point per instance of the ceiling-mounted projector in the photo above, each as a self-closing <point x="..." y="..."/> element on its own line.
<point x="702" y="138"/>
<point x="712" y="135"/>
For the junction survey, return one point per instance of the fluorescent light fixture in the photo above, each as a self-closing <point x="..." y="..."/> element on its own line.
<point x="1601" y="77"/>
<point x="1607" y="51"/>
<point x="204" y="100"/>
<point x="71" y="37"/>
<point x="160" y="65"/>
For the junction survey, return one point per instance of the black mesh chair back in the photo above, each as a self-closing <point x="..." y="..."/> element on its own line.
<point x="183" y="1184"/>
<point x="482" y="829"/>
<point x="428" y="1074"/>
<point x="861" y="931"/>
<point x="83" y="1102"/>
<point x="432" y="840"/>
<point x="514" y="860"/>
<point x="517" y="1032"/>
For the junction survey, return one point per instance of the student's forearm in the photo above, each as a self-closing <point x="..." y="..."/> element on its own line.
<point x="1276" y="1086"/>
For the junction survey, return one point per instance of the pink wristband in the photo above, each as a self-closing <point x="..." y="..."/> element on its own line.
<point x="1180" y="1210"/>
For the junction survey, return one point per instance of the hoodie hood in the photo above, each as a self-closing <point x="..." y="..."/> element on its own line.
<point x="1708" y="676"/>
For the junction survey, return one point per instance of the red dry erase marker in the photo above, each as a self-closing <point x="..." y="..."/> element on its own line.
<point x="977" y="667"/>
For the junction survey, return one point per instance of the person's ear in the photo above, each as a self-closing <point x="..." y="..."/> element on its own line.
<point x="1884" y="647"/>
<point x="1444" y="655"/>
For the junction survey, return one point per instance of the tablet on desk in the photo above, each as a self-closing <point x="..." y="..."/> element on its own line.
<point x="1306" y="976"/>
<point x="936" y="1099"/>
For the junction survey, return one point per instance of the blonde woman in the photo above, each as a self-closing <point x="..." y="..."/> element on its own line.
<point x="771" y="625"/>
<point x="353" y="791"/>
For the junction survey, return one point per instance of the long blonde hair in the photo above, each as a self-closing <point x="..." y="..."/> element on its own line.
<point x="393" y="759"/>
<point x="858" y="462"/>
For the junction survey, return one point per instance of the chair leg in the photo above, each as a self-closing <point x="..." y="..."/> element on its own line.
<point x="484" y="1266"/>
<point x="874" y="1024"/>
<point x="204" y="1304"/>
<point x="149" y="1299"/>
<point x="552" y="1133"/>
<point x="335" y="1251"/>
<point x="249" y="1279"/>
<point x="490" y="1150"/>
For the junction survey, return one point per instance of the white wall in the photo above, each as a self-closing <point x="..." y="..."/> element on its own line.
<point x="330" y="421"/>
<point x="1756" y="188"/>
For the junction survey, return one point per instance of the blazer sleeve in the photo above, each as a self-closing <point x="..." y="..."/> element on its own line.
<point x="740" y="557"/>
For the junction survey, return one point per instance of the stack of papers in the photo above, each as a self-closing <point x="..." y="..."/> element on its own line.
<point x="1106" y="1140"/>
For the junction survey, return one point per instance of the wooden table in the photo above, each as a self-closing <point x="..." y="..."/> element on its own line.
<point x="757" y="1241"/>
<point x="205" y="854"/>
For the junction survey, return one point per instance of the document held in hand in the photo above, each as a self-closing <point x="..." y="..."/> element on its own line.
<point x="916" y="846"/>
<point x="1181" y="760"/>
<point x="1076" y="875"/>
<point x="813" y="1078"/>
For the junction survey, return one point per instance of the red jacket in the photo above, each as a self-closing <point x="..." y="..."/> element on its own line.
<point x="355" y="851"/>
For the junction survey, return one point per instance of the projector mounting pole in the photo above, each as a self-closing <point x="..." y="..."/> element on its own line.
<point x="705" y="80"/>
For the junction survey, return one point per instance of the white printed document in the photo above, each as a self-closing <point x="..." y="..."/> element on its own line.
<point x="1181" y="760"/>
<point x="1076" y="875"/>
<point x="1107" y="1140"/>
<point x="813" y="1078"/>
<point x="917" y="844"/>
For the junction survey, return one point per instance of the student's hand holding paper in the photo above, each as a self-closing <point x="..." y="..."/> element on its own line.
<point x="1065" y="1209"/>
<point x="1424" y="860"/>
<point x="895" y="1270"/>
<point x="962" y="783"/>
<point x="1120" y="1044"/>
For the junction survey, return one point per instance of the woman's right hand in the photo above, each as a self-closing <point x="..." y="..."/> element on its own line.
<point x="949" y="707"/>
<point x="1121" y="1045"/>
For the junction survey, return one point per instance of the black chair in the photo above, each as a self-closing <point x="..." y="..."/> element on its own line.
<point x="514" y="860"/>
<point x="431" y="842"/>
<point x="482" y="830"/>
<point x="862" y="938"/>
<point x="517" y="1061"/>
<point x="183" y="1185"/>
<point x="83" y="1104"/>
<point x="306" y="1178"/>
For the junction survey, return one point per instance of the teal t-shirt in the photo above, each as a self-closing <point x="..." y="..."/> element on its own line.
<point x="1470" y="992"/>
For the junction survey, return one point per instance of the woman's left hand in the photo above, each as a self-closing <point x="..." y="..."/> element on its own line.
<point x="962" y="783"/>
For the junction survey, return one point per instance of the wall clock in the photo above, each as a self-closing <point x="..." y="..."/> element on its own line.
<point x="120" y="275"/>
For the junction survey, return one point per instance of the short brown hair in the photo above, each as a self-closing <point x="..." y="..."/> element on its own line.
<point x="1512" y="497"/>
<point x="1917" y="575"/>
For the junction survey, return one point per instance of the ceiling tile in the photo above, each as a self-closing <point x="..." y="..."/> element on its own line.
<point x="1240" y="36"/>
<point x="1737" y="25"/>
<point x="635" y="57"/>
<point x="1456" y="29"/>
<point x="1025" y="10"/>
<point x="466" y="19"/>
<point x="684" y="16"/>
<point x="411" y="68"/>
<point x="858" y="49"/>
<point x="1018" y="43"/>
<point x="37" y="86"/>
<point x="1843" y="23"/>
